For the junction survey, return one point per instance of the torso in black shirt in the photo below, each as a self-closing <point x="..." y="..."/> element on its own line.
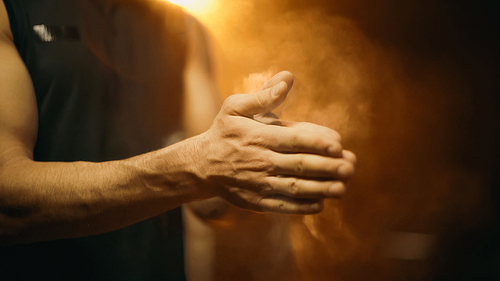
<point x="108" y="83"/>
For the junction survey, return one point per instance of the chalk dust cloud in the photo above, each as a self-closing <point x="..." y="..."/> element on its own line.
<point x="411" y="85"/>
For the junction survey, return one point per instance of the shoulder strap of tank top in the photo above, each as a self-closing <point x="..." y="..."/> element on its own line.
<point x="17" y="20"/>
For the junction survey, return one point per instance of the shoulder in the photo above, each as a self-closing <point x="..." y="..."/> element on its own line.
<point x="171" y="16"/>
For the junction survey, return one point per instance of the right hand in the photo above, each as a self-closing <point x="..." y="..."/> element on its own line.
<point x="278" y="166"/>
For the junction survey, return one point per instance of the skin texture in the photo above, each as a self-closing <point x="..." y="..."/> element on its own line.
<point x="253" y="161"/>
<point x="285" y="168"/>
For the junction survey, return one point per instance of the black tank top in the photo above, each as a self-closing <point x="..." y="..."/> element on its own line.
<point x="108" y="84"/>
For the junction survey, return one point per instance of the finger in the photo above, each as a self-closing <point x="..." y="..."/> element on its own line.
<point x="282" y="139"/>
<point x="306" y="188"/>
<point x="349" y="156"/>
<point x="251" y="104"/>
<point x="281" y="76"/>
<point x="287" y="205"/>
<point x="311" y="166"/>
<point x="277" y="203"/>
<point x="313" y="128"/>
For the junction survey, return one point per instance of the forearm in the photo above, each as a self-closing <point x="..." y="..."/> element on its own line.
<point x="48" y="200"/>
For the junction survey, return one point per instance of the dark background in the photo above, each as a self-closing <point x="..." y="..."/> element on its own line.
<point x="413" y="87"/>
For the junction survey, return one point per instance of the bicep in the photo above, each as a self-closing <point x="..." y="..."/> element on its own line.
<point x="18" y="111"/>
<point x="202" y="101"/>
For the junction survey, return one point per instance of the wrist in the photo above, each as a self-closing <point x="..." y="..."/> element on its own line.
<point x="196" y="166"/>
<point x="174" y="171"/>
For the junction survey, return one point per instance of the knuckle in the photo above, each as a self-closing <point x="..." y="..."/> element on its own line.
<point x="258" y="206"/>
<point x="233" y="98"/>
<point x="262" y="100"/>
<point x="273" y="164"/>
<point x="299" y="166"/>
<point x="267" y="164"/>
<point x="267" y="161"/>
<point x="334" y="149"/>
<point x="255" y="139"/>
<point x="293" y="187"/>
<point x="231" y="102"/>
<point x="281" y="206"/>
<point x="267" y="205"/>
<point x="268" y="190"/>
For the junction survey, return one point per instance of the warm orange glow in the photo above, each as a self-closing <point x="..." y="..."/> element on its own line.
<point x="195" y="6"/>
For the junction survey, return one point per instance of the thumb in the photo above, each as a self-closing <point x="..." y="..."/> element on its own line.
<point x="271" y="96"/>
<point x="281" y="76"/>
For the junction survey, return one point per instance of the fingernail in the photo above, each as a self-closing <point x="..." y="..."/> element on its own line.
<point x="278" y="89"/>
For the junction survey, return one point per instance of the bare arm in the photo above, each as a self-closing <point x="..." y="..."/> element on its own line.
<point x="43" y="201"/>
<point x="244" y="161"/>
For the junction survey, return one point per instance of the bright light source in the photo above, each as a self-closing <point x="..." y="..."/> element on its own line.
<point x="183" y="2"/>
<point x="195" y="6"/>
